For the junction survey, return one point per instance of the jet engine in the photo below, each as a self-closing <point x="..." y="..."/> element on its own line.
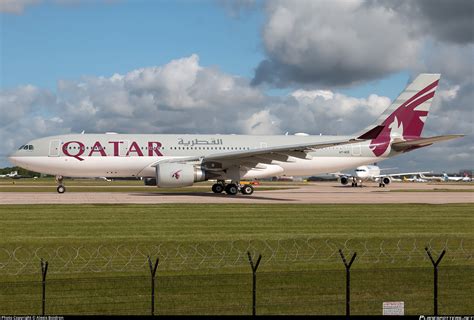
<point x="169" y="175"/>
<point x="386" y="180"/>
<point x="344" y="180"/>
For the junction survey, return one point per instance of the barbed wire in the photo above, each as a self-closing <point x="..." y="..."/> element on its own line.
<point x="226" y="254"/>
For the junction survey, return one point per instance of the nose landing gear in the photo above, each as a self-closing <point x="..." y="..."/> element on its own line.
<point x="61" y="188"/>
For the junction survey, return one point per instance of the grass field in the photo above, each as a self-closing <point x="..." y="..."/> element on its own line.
<point x="97" y="258"/>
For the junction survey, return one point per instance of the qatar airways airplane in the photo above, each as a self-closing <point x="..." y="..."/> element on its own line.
<point x="179" y="160"/>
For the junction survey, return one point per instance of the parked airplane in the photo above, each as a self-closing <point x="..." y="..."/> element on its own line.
<point x="431" y="178"/>
<point x="448" y="178"/>
<point x="13" y="175"/>
<point x="370" y="173"/>
<point x="415" y="178"/>
<point x="181" y="160"/>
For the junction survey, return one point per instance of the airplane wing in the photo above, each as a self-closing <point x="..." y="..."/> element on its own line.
<point x="251" y="158"/>
<point x="401" y="174"/>
<point x="422" y="142"/>
<point x="341" y="174"/>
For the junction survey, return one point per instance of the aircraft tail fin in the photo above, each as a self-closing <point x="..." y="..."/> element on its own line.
<point x="406" y="116"/>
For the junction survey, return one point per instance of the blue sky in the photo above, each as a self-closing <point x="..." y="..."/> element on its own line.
<point x="49" y="42"/>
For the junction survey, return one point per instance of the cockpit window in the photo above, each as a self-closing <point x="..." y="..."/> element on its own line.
<point x="26" y="147"/>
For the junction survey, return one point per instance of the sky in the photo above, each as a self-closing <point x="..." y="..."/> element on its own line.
<point x="243" y="66"/>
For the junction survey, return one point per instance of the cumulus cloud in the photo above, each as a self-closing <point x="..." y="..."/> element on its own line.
<point x="184" y="97"/>
<point x="333" y="43"/>
<point x="445" y="21"/>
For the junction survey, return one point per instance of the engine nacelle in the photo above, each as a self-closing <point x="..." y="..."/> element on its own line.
<point x="386" y="180"/>
<point x="169" y="175"/>
<point x="344" y="180"/>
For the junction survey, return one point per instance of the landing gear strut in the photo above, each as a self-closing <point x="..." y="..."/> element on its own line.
<point x="232" y="188"/>
<point x="61" y="188"/>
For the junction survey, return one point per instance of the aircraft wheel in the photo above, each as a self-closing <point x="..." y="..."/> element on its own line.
<point x="383" y="185"/>
<point x="231" y="189"/>
<point x="217" y="188"/>
<point x="247" y="189"/>
<point x="61" y="189"/>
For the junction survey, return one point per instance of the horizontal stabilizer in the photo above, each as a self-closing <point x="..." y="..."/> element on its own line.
<point x="422" y="142"/>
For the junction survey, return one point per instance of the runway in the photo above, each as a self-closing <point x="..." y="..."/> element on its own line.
<point x="323" y="192"/>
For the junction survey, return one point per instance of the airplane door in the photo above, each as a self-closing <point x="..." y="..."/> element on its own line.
<point x="356" y="149"/>
<point x="263" y="145"/>
<point x="54" y="148"/>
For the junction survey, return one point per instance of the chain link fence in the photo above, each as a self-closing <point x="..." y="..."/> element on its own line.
<point x="295" y="276"/>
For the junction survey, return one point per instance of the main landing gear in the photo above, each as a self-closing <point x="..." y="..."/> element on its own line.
<point x="232" y="188"/>
<point x="381" y="185"/>
<point x="355" y="183"/>
<point x="61" y="188"/>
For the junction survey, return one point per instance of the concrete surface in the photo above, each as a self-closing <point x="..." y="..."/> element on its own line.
<point x="321" y="192"/>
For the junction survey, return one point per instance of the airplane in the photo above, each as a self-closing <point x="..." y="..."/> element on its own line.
<point x="466" y="178"/>
<point x="414" y="179"/>
<point x="370" y="173"/>
<point x="431" y="178"/>
<point x="180" y="160"/>
<point x="448" y="178"/>
<point x="13" y="175"/>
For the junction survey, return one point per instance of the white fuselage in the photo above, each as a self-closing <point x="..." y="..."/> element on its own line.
<point x="117" y="155"/>
<point x="366" y="173"/>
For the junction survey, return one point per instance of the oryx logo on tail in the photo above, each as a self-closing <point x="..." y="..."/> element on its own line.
<point x="405" y="118"/>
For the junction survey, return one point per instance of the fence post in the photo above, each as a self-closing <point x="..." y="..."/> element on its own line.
<point x="153" y="273"/>
<point x="435" y="266"/>
<point x="348" y="280"/>
<point x="254" y="281"/>
<point x="44" y="271"/>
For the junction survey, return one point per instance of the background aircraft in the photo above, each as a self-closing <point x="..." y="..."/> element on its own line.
<point x="13" y="175"/>
<point x="170" y="160"/>
<point x="448" y="178"/>
<point x="415" y="178"/>
<point x="370" y="173"/>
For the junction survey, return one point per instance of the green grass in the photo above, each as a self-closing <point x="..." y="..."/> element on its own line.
<point x="300" y="273"/>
